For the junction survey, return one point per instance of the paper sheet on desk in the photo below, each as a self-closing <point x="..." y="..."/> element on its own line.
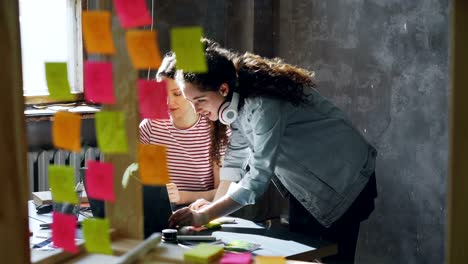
<point x="269" y="246"/>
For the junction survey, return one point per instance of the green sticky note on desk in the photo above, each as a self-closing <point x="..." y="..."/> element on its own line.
<point x="96" y="235"/>
<point x="189" y="51"/>
<point x="62" y="183"/>
<point x="203" y="254"/>
<point x="57" y="80"/>
<point x="111" y="132"/>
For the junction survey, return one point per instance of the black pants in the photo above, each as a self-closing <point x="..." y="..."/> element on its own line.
<point x="344" y="232"/>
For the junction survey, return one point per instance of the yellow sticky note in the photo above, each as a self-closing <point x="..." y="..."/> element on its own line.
<point x="111" y="132"/>
<point x="66" y="131"/>
<point x="57" y="80"/>
<point x="203" y="253"/>
<point x="97" y="35"/>
<point x="96" y="235"/>
<point x="62" y="183"/>
<point x="270" y="260"/>
<point x="143" y="49"/>
<point x="189" y="51"/>
<point x="152" y="163"/>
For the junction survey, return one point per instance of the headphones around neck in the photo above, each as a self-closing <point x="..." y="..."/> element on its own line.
<point x="227" y="112"/>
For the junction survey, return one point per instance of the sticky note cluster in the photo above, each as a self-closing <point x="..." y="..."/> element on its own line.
<point x="203" y="254"/>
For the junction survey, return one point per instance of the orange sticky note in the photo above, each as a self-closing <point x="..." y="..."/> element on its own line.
<point x="143" y="49"/>
<point x="97" y="35"/>
<point x="66" y="131"/>
<point x="270" y="260"/>
<point x="152" y="163"/>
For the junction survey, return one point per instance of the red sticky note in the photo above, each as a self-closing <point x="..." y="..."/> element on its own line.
<point x="63" y="231"/>
<point x="132" y="13"/>
<point x="236" y="258"/>
<point x="99" y="180"/>
<point x="152" y="96"/>
<point x="98" y="83"/>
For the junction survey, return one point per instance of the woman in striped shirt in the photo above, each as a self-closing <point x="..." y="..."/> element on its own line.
<point x="193" y="151"/>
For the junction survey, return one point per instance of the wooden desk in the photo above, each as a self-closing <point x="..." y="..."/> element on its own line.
<point x="275" y="241"/>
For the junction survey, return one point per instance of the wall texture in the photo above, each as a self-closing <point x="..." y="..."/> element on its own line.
<point x="385" y="63"/>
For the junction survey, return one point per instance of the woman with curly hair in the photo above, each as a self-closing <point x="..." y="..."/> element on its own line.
<point x="287" y="133"/>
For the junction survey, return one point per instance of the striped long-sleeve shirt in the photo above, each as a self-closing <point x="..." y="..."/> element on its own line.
<point x="188" y="151"/>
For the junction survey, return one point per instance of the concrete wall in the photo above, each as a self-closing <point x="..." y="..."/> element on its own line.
<point x="385" y="63"/>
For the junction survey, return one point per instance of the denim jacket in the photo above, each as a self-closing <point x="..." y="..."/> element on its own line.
<point x="312" y="149"/>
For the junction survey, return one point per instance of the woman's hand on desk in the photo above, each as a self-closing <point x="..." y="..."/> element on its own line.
<point x="198" y="204"/>
<point x="188" y="217"/>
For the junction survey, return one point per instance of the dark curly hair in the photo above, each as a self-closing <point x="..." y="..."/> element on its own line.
<point x="251" y="75"/>
<point x="219" y="136"/>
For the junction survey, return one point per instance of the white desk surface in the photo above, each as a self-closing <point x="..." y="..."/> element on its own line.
<point x="272" y="243"/>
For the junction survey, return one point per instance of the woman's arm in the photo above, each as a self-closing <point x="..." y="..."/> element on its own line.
<point x="186" y="216"/>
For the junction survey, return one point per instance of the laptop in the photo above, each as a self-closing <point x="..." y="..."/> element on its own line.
<point x="156" y="209"/>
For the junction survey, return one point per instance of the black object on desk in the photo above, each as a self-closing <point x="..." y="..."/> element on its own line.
<point x="44" y="209"/>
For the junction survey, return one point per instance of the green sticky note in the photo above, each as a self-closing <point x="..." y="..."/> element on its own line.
<point x="189" y="51"/>
<point x="203" y="253"/>
<point x="111" y="132"/>
<point x="96" y="235"/>
<point x="57" y="80"/>
<point x="62" y="183"/>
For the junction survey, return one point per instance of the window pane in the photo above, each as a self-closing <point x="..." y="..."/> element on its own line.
<point x="46" y="30"/>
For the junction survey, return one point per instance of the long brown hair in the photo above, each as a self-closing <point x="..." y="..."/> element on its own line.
<point x="251" y="75"/>
<point x="219" y="136"/>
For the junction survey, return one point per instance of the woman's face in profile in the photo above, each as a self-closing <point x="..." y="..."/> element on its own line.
<point x="206" y="103"/>
<point x="177" y="105"/>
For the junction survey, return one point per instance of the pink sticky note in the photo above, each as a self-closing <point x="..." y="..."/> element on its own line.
<point x="99" y="180"/>
<point x="236" y="258"/>
<point x="132" y="13"/>
<point x="63" y="231"/>
<point x="98" y="83"/>
<point x="152" y="98"/>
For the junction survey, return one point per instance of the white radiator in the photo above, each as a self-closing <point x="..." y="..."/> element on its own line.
<point x="39" y="161"/>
